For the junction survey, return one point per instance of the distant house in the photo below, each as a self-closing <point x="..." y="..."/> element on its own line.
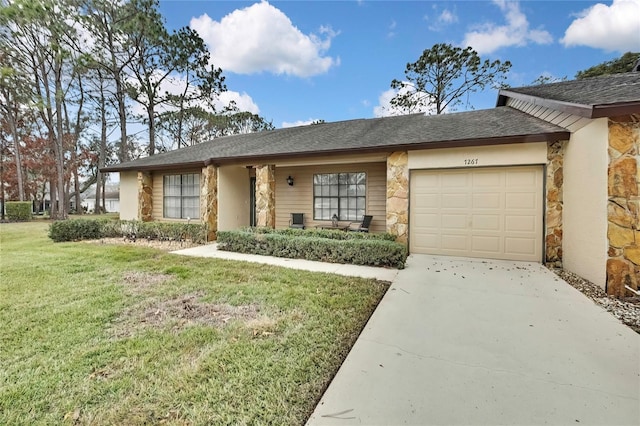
<point x="550" y="175"/>
<point x="111" y="201"/>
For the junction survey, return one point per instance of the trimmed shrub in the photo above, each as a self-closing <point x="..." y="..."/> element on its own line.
<point x="75" y="230"/>
<point x="302" y="245"/>
<point x="18" y="211"/>
<point x="88" y="229"/>
<point x="167" y="231"/>
<point x="324" y="233"/>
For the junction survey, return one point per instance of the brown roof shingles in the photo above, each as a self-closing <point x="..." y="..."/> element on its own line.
<point x="417" y="131"/>
<point x="590" y="97"/>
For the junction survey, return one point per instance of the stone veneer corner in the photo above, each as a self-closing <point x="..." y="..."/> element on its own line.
<point x="145" y="196"/>
<point x="397" y="219"/>
<point x="623" y="205"/>
<point x="554" y="203"/>
<point x="209" y="200"/>
<point x="266" y="196"/>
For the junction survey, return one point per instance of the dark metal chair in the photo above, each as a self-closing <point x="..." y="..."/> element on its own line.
<point x="364" y="225"/>
<point x="296" y="221"/>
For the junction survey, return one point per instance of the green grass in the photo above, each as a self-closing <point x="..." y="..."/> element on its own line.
<point x="100" y="334"/>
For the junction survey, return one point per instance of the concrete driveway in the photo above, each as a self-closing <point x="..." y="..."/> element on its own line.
<point x="469" y="341"/>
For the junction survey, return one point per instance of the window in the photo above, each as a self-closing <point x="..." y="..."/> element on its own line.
<point x="343" y="194"/>
<point x="182" y="196"/>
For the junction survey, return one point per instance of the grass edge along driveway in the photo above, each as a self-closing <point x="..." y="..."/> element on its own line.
<point x="107" y="334"/>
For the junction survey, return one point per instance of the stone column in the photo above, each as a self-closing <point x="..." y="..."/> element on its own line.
<point x="554" y="205"/>
<point x="398" y="195"/>
<point x="145" y="196"/>
<point x="266" y="196"/>
<point x="209" y="200"/>
<point x="623" y="205"/>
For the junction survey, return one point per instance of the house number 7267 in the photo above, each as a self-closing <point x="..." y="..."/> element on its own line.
<point x="470" y="161"/>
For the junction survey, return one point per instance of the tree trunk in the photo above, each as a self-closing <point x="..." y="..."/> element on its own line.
<point x="16" y="145"/>
<point x="122" y="115"/>
<point x="152" y="128"/>
<point x="102" y="152"/>
<point x="59" y="142"/>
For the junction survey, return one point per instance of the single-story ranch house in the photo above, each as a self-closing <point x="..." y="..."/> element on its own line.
<point x="551" y="174"/>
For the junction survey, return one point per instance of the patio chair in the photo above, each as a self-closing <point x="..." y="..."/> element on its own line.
<point x="296" y="221"/>
<point x="364" y="225"/>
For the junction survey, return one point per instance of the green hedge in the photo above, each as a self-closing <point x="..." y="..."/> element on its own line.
<point x="75" y="229"/>
<point x="89" y="229"/>
<point x="18" y="210"/>
<point x="368" y="250"/>
<point x="323" y="233"/>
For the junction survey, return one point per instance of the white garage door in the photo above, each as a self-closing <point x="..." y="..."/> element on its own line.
<point x="495" y="213"/>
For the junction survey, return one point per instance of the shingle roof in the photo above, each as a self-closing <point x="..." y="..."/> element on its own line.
<point x="586" y="95"/>
<point x="416" y="131"/>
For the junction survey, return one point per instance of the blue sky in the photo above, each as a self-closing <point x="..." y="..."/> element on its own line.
<point x="293" y="62"/>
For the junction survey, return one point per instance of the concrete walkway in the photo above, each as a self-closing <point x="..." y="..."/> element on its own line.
<point x="474" y="342"/>
<point x="211" y="250"/>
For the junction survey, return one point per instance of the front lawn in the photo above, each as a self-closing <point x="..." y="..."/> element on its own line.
<point x="102" y="334"/>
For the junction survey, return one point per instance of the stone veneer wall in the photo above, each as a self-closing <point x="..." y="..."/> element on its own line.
<point x="145" y="196"/>
<point x="623" y="206"/>
<point x="266" y="196"/>
<point x="554" y="204"/>
<point x="398" y="195"/>
<point x="209" y="200"/>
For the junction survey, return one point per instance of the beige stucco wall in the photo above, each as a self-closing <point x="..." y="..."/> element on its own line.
<point x="299" y="197"/>
<point x="233" y="197"/>
<point x="585" y="202"/>
<point x="479" y="156"/>
<point x="128" y="195"/>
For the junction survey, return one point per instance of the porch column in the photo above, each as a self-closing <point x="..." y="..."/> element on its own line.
<point x="145" y="196"/>
<point x="398" y="195"/>
<point x="623" y="205"/>
<point x="266" y="196"/>
<point x="554" y="205"/>
<point x="209" y="200"/>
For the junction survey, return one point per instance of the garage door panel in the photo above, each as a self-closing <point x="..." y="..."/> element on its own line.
<point x="425" y="201"/>
<point x="454" y="221"/>
<point x="459" y="201"/>
<point x="484" y="180"/>
<point x="521" y="200"/>
<point x="454" y="180"/>
<point x="491" y="212"/>
<point x="489" y="200"/>
<point x="454" y="242"/>
<point x="486" y="222"/>
<point x="515" y="178"/>
<point x="488" y="245"/>
<point x="520" y="223"/>
<point x="522" y="246"/>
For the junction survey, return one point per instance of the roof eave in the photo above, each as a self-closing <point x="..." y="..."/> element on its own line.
<point x="502" y="140"/>
<point x="568" y="107"/>
<point x="616" y="110"/>
<point x="587" y="111"/>
<point x="172" y="166"/>
<point x="552" y="136"/>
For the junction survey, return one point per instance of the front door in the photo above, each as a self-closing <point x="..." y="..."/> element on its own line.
<point x="252" y="201"/>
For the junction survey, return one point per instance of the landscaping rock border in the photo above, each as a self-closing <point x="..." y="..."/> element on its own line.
<point x="625" y="309"/>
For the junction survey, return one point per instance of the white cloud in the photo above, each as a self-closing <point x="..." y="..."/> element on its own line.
<point x="385" y="109"/>
<point x="490" y="37"/>
<point x="445" y="18"/>
<point x="242" y="100"/>
<point x="612" y="28"/>
<point x="175" y="85"/>
<point x="298" y="123"/>
<point x="392" y="33"/>
<point x="262" y="38"/>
